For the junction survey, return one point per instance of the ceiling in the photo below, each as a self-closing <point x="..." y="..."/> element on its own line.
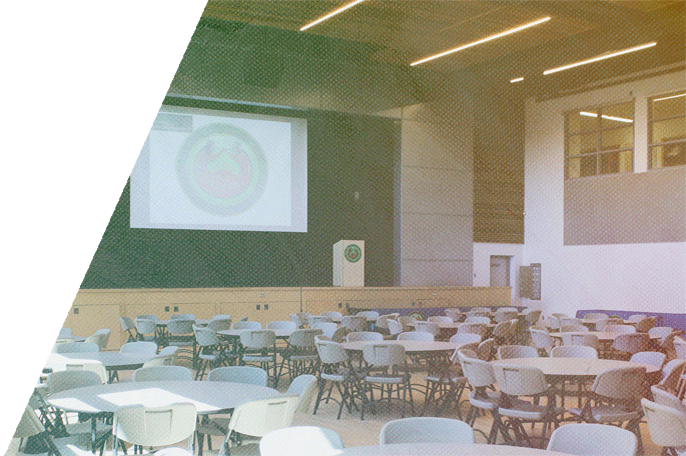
<point x="401" y="31"/>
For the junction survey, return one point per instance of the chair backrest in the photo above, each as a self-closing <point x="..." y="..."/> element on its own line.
<point x="570" y="321"/>
<point x="473" y="328"/>
<point x="465" y="338"/>
<point x="427" y="326"/>
<point x="160" y="360"/>
<point x="646" y="324"/>
<point x="304" y="317"/>
<point x="601" y="325"/>
<point x="504" y="315"/>
<point x="656" y="359"/>
<point x="414" y="335"/>
<point x="304" y="386"/>
<point x="29" y="424"/>
<point x="394" y="328"/>
<point x="219" y="324"/>
<point x="425" y="429"/>
<point x="247" y="325"/>
<point x="380" y="354"/>
<point x="517" y="380"/>
<point x="671" y="374"/>
<point x="637" y="317"/>
<point x="243" y="318"/>
<point x="381" y="322"/>
<point x="573" y="328"/>
<point x="596" y="316"/>
<point x="331" y="352"/>
<point x="559" y="315"/>
<point x="486" y="349"/>
<point x="574" y="351"/>
<point x="532" y="316"/>
<point x="541" y="339"/>
<point x="440" y="319"/>
<point x="182" y="317"/>
<point x="591" y="439"/>
<point x="304" y="338"/>
<point x="667" y="426"/>
<point x="354" y="323"/>
<point x="407" y="322"/>
<point x="339" y="334"/>
<point x="294" y="318"/>
<point x="154" y="426"/>
<point x="92" y="366"/>
<point x="624" y="329"/>
<point x="258" y="338"/>
<point x="98" y="339"/>
<point x="478" y="313"/>
<point x="104" y="337"/>
<point x="625" y="383"/>
<point x="71" y="378"/>
<point x="180" y="326"/>
<point x="327" y="328"/>
<point x="169" y="350"/>
<point x="632" y="342"/>
<point x="516" y="351"/>
<point x="661" y="331"/>
<point x="239" y="374"/>
<point x="318" y="319"/>
<point x="483" y="320"/>
<point x="301" y="440"/>
<point x="364" y="336"/>
<point x="77" y="347"/>
<point x="146" y="325"/>
<point x="205" y="337"/>
<point x="162" y="373"/>
<point x="127" y="324"/>
<point x="479" y="373"/>
<point x="589" y="340"/>
<point x="147" y="317"/>
<point x="453" y="314"/>
<point x="667" y="399"/>
<point x="332" y="314"/>
<point x="372" y="314"/>
<point x="259" y="418"/>
<point x="143" y="347"/>
<point x="287" y="325"/>
<point x="680" y="347"/>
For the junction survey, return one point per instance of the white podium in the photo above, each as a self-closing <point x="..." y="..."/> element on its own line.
<point x="348" y="264"/>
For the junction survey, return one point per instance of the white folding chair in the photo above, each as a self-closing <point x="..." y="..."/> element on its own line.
<point x="301" y="440"/>
<point x="426" y="430"/>
<point x="586" y="439"/>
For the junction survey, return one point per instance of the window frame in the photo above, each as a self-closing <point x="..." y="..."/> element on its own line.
<point x="649" y="137"/>
<point x="599" y="137"/>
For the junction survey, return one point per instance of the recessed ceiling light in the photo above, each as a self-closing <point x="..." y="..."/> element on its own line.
<point x="517" y="80"/>
<point x="483" y="40"/>
<point x="607" y="55"/>
<point x="603" y="116"/>
<point x="670" y="97"/>
<point x="330" y="15"/>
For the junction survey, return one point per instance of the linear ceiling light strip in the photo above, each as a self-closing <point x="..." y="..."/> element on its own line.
<point x="483" y="40"/>
<point x="670" y="97"/>
<point x="330" y="15"/>
<point x="600" y="57"/>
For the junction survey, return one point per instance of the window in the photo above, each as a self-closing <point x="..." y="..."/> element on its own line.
<point x="599" y="140"/>
<point x="667" y="130"/>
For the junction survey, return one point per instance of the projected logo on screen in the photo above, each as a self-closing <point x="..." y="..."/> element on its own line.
<point x="222" y="169"/>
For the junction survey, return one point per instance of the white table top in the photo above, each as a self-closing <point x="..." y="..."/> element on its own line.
<point x="573" y="367"/>
<point x="111" y="360"/>
<point x="602" y="335"/>
<point x="197" y="321"/>
<point x="593" y="321"/>
<point x="411" y="346"/>
<point x="442" y="449"/>
<point x="280" y="333"/>
<point x="208" y="397"/>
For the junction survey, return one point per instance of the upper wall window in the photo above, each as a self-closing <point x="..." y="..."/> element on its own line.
<point x="599" y="140"/>
<point x="667" y="130"/>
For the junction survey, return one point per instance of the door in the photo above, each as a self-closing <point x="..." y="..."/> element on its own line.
<point x="500" y="271"/>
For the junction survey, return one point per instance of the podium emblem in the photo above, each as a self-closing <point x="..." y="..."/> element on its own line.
<point x="352" y="253"/>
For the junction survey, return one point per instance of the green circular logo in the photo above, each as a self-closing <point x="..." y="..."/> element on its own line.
<point x="417" y="315"/>
<point x="222" y="169"/>
<point x="352" y="253"/>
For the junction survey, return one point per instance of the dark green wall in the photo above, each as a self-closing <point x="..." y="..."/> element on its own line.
<point x="346" y="154"/>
